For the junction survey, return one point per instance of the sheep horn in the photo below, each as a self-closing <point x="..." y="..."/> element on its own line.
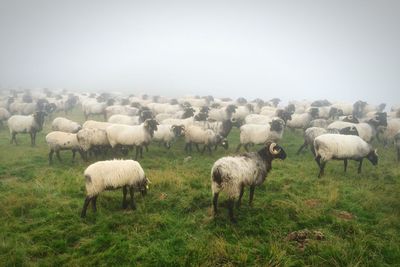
<point x="376" y="151"/>
<point x="272" y="149"/>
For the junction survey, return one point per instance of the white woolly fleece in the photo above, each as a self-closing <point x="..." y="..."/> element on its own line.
<point x="112" y="174"/>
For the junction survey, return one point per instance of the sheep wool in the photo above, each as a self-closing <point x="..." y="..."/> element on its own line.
<point x="112" y="174"/>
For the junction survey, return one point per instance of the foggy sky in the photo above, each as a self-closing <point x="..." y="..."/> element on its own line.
<point x="339" y="50"/>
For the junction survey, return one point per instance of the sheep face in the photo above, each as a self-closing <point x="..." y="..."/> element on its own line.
<point x="351" y="118"/>
<point x="335" y="112"/>
<point x="284" y="115"/>
<point x="373" y="157"/>
<point x="314" y="112"/>
<point x="230" y="109"/>
<point x="222" y="141"/>
<point x="277" y="125"/>
<point x="179" y="130"/>
<point x="351" y="130"/>
<point x="151" y="126"/>
<point x="39" y="118"/>
<point x="188" y="112"/>
<point x="143" y="186"/>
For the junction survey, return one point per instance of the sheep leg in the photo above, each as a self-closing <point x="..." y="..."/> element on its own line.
<point x="209" y="149"/>
<point x="133" y="205"/>
<point x="83" y="155"/>
<point x="73" y="155"/>
<point x="187" y="145"/>
<point x="13" y="139"/>
<point x="231" y="203"/>
<point x="147" y="148"/>
<point x="124" y="191"/>
<point x="252" y="188"/>
<point x="321" y="169"/>
<point x="359" y="166"/>
<point x="312" y="150"/>
<point x="34" y="138"/>
<point x="94" y="200"/>
<point x="58" y="155"/>
<point x="204" y="149"/>
<point x="239" y="202"/>
<point x="215" y="203"/>
<point x="137" y="153"/>
<point x="302" y="147"/>
<point x="197" y="147"/>
<point x="51" y="156"/>
<point x="215" y="148"/>
<point x="318" y="160"/>
<point x="345" y="165"/>
<point x="238" y="147"/>
<point x="246" y="147"/>
<point x="32" y="143"/>
<point x="85" y="205"/>
<point x="141" y="151"/>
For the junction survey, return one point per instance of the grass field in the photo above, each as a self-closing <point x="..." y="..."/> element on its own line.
<point x="357" y="216"/>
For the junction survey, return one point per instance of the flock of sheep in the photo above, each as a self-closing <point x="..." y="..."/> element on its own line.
<point x="341" y="131"/>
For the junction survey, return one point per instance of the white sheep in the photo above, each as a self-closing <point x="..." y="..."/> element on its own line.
<point x="366" y="130"/>
<point x="65" y="125"/>
<point x="96" y="124"/>
<point x="124" y="119"/>
<point x="342" y="147"/>
<point x="393" y="127"/>
<point x="232" y="174"/>
<point x="26" y="124"/>
<point x="302" y="121"/>
<point x="195" y="134"/>
<point x="93" y="107"/>
<point x="113" y="174"/>
<point x="132" y="136"/>
<point x="221" y="114"/>
<point x="93" y="139"/>
<point x="321" y="123"/>
<point x="168" y="133"/>
<point x="58" y="141"/>
<point x="255" y="134"/>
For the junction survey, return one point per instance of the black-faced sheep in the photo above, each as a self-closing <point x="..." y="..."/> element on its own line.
<point x="113" y="174"/>
<point x="342" y="147"/>
<point x="26" y="124"/>
<point x="232" y="174"/>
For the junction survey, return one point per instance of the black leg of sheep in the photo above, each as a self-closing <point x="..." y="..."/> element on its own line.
<point x="345" y="165"/>
<point x="124" y="191"/>
<point x="231" y="204"/>
<point x="215" y="203"/>
<point x="239" y="202"/>
<point x="252" y="188"/>
<point x="85" y="205"/>
<point x="94" y="200"/>
<point x="131" y="193"/>
<point x="359" y="166"/>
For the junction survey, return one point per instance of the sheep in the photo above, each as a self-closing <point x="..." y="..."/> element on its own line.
<point x="96" y="124"/>
<point x="65" y="125"/>
<point x="388" y="133"/>
<point x="223" y="128"/>
<point x="93" y="107"/>
<point x="4" y="115"/>
<point x="342" y="147"/>
<point x="397" y="144"/>
<point x="58" y="141"/>
<point x="254" y="134"/>
<point x="124" y="119"/>
<point x="321" y="123"/>
<point x="92" y="139"/>
<point x="113" y="174"/>
<point x="26" y="124"/>
<point x="129" y="136"/>
<point x="198" y="135"/>
<point x="361" y="108"/>
<point x="168" y="133"/>
<point x="221" y="114"/>
<point x="265" y="119"/>
<point x="367" y="130"/>
<point x="311" y="133"/>
<point x="302" y="121"/>
<point x="242" y="111"/>
<point x="119" y="109"/>
<point x="232" y="174"/>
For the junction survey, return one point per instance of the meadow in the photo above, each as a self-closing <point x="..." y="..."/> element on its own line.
<point x="342" y="219"/>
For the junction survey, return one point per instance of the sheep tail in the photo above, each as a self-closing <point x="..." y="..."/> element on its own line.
<point x="217" y="177"/>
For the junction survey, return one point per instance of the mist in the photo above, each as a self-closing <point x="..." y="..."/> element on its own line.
<point x="335" y="50"/>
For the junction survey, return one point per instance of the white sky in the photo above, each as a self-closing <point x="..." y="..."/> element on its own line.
<point x="338" y="50"/>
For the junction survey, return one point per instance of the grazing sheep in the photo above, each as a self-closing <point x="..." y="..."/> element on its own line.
<point x="58" y="141"/>
<point x="168" y="133"/>
<point x="321" y="123"/>
<point x="232" y="174"/>
<point x="93" y="107"/>
<point x="311" y="133"/>
<point x="342" y="147"/>
<point x="302" y="121"/>
<point x="389" y="132"/>
<point x="222" y="114"/>
<point x="397" y="144"/>
<point x="65" y="125"/>
<point x="254" y="134"/>
<point x="366" y="130"/>
<point x="113" y="174"/>
<point x="93" y="139"/>
<point x="132" y="136"/>
<point x="96" y="124"/>
<point x="26" y="124"/>
<point x="195" y="134"/>
<point x="124" y="119"/>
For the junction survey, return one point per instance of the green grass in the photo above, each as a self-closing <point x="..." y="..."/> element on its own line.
<point x="173" y="225"/>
